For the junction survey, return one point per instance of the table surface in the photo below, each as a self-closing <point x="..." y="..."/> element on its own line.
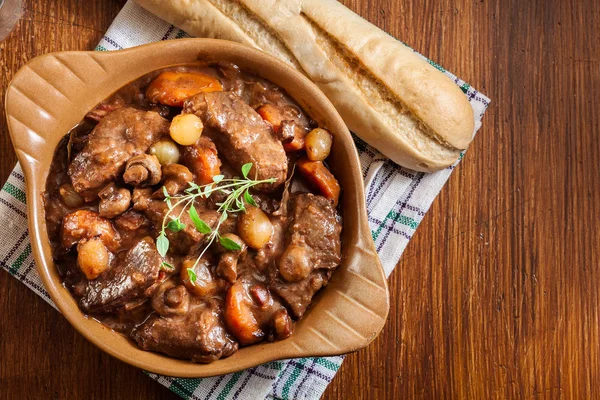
<point x="496" y="296"/>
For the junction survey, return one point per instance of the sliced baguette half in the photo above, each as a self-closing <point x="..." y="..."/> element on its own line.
<point x="386" y="93"/>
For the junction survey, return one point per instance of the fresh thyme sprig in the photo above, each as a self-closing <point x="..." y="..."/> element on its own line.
<point x="238" y="195"/>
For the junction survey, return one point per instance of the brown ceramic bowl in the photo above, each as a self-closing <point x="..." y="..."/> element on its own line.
<point x="52" y="93"/>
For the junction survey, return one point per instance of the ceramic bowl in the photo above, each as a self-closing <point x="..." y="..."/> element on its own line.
<point x="52" y="93"/>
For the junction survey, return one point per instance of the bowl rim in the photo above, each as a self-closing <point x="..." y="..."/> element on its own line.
<point x="363" y="249"/>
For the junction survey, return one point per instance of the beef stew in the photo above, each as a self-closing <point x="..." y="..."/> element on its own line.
<point x="188" y="212"/>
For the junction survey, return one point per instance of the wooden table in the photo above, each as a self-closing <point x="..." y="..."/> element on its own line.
<point x="497" y="295"/>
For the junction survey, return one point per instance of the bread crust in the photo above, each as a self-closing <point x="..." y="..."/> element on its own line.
<point x="386" y="93"/>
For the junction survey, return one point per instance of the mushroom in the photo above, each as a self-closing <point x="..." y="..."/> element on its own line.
<point x="142" y="170"/>
<point x="113" y="201"/>
<point x="171" y="299"/>
<point x="176" y="178"/>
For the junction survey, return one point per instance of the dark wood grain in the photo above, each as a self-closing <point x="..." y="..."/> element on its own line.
<point x="498" y="293"/>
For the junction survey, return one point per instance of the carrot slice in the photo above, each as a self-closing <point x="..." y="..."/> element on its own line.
<point x="275" y="116"/>
<point x="202" y="159"/>
<point x="272" y="114"/>
<point x="317" y="173"/>
<point x="173" y="88"/>
<point x="239" y="319"/>
<point x="298" y="143"/>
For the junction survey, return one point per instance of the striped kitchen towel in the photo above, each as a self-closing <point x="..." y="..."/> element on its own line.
<point x="397" y="201"/>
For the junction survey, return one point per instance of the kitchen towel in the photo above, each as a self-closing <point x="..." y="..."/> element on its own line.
<point x="397" y="200"/>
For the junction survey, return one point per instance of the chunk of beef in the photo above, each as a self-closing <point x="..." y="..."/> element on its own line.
<point x="131" y="222"/>
<point x="312" y="251"/>
<point x="316" y="225"/>
<point x="120" y="135"/>
<point x="240" y="134"/>
<point x="126" y="282"/>
<point x="86" y="224"/>
<point x="298" y="295"/>
<point x="198" y="335"/>
<point x="131" y="226"/>
<point x="156" y="209"/>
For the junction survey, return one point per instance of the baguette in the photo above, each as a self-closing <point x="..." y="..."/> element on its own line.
<point x="386" y="94"/>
